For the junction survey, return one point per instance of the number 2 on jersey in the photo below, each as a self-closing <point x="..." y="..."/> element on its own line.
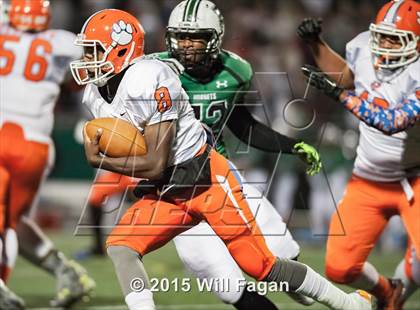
<point x="36" y="65"/>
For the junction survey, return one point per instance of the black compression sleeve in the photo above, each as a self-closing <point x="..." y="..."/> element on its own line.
<point x="249" y="130"/>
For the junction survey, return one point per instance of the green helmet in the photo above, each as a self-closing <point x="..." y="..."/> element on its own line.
<point x="195" y="19"/>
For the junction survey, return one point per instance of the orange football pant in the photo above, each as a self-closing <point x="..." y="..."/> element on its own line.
<point x="108" y="184"/>
<point x="151" y="223"/>
<point x="360" y="219"/>
<point x="22" y="166"/>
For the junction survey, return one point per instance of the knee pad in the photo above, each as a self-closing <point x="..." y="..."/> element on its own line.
<point x="343" y="275"/>
<point x="250" y="258"/>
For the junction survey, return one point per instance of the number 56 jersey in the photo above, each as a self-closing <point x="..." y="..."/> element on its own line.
<point x="32" y="67"/>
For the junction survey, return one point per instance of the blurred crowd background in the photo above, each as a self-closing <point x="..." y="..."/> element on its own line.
<point x="264" y="33"/>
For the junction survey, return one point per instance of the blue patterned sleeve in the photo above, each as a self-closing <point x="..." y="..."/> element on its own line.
<point x="389" y="121"/>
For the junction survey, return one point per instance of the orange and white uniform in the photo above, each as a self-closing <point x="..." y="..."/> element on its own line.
<point x="198" y="247"/>
<point x="151" y="222"/>
<point x="126" y="106"/>
<point x="381" y="157"/>
<point x="32" y="67"/>
<point x="386" y="175"/>
<point x="135" y="101"/>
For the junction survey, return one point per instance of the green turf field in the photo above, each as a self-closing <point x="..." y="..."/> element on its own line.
<point x="37" y="287"/>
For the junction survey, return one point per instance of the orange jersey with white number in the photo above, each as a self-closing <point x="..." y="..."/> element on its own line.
<point x="32" y="67"/>
<point x="381" y="157"/>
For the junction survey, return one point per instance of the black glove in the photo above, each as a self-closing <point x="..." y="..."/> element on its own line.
<point x="320" y="80"/>
<point x="310" y="29"/>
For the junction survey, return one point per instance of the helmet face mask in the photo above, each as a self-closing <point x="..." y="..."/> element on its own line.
<point x="112" y="40"/>
<point x="195" y="21"/>
<point x="203" y="48"/>
<point x="94" y="66"/>
<point x="395" y="35"/>
<point x="392" y="58"/>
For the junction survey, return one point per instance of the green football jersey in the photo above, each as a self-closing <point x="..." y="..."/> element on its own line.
<point x="213" y="101"/>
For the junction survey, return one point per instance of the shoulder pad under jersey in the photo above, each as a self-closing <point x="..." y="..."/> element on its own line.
<point x="237" y="66"/>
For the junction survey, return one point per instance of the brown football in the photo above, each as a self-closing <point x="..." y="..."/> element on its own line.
<point x="119" y="138"/>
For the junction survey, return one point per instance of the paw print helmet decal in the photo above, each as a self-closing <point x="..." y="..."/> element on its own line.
<point x="112" y="40"/>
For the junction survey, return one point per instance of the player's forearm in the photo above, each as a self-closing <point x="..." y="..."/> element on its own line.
<point x="389" y="121"/>
<point x="332" y="63"/>
<point x="144" y="167"/>
<point x="250" y="131"/>
<point x="159" y="138"/>
<point x="266" y="139"/>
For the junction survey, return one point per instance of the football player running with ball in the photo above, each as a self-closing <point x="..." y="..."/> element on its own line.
<point x="34" y="64"/>
<point x="380" y="83"/>
<point x="199" y="248"/>
<point x="216" y="82"/>
<point x="149" y="94"/>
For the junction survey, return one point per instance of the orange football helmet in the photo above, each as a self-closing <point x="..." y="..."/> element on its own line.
<point x="399" y="19"/>
<point x="29" y="15"/>
<point x="115" y="33"/>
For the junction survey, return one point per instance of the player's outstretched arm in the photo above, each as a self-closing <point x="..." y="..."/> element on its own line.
<point x="158" y="137"/>
<point x="250" y="131"/>
<point x="325" y="57"/>
<point x="389" y="121"/>
<point x="320" y="80"/>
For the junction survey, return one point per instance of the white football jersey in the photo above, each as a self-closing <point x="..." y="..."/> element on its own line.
<point x="150" y="92"/>
<point x="381" y="157"/>
<point x="32" y="67"/>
